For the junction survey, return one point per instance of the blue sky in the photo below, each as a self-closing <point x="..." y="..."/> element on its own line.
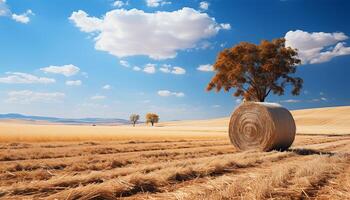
<point x="105" y="58"/>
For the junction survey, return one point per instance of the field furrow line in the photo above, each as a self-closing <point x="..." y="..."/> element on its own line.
<point x="337" y="188"/>
<point x="39" y="154"/>
<point x="26" y="173"/>
<point x="263" y="183"/>
<point x="157" y="170"/>
<point x="181" y="178"/>
<point x="289" y="158"/>
<point x="131" y="181"/>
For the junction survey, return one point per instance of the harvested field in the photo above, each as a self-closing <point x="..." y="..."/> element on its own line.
<point x="197" y="163"/>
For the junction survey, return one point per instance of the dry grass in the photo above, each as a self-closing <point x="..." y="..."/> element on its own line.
<point x="172" y="170"/>
<point x="199" y="163"/>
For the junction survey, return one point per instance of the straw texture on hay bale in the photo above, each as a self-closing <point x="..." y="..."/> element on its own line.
<point x="261" y="126"/>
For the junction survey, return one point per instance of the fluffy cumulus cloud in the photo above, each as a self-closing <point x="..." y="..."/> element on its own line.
<point x="150" y="69"/>
<point x="205" y="68"/>
<point x="317" y="47"/>
<point x="178" y="70"/>
<point x="156" y="3"/>
<point x="173" y="70"/>
<point x="204" y="5"/>
<point x="24" y="78"/>
<point x="225" y="26"/>
<point x="167" y="93"/>
<point x="118" y="4"/>
<point x="4" y="9"/>
<point x="136" y="68"/>
<point x="107" y="87"/>
<point x="28" y="96"/>
<point x="21" y="18"/>
<point x="158" y="35"/>
<point x="124" y="63"/>
<point x="66" y="70"/>
<point x="74" y="83"/>
<point x="24" y="17"/>
<point x="86" y="23"/>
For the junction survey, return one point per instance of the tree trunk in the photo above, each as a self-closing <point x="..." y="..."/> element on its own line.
<point x="133" y="124"/>
<point x="152" y="123"/>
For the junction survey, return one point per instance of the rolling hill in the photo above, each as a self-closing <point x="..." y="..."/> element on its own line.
<point x="56" y="120"/>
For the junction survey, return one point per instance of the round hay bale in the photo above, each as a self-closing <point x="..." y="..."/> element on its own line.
<point x="261" y="126"/>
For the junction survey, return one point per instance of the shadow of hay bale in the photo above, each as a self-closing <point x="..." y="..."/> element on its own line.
<point x="304" y="152"/>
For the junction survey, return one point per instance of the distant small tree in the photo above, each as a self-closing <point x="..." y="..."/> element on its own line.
<point x="256" y="70"/>
<point x="134" y="118"/>
<point x="152" y="118"/>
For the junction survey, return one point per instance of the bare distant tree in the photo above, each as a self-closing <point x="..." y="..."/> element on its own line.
<point x="134" y="118"/>
<point x="152" y="118"/>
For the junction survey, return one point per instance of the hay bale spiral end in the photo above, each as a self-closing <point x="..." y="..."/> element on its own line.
<point x="261" y="126"/>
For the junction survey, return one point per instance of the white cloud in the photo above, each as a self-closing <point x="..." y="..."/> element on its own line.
<point x="24" y="17"/>
<point x="165" y="69"/>
<point x="4" y="9"/>
<point x="66" y="70"/>
<point x="205" y="68"/>
<point x="215" y="106"/>
<point x="317" y="47"/>
<point x="74" y="83"/>
<point x="84" y="22"/>
<point x="136" y="68"/>
<point x="167" y="93"/>
<point x="204" y="45"/>
<point x="98" y="97"/>
<point x="107" y="87"/>
<point x="317" y="100"/>
<point x="124" y="63"/>
<point x="118" y="4"/>
<point x="291" y="101"/>
<point x="6" y="12"/>
<point x="204" y="5"/>
<point x="225" y="26"/>
<point x="24" y="78"/>
<point x="238" y="101"/>
<point x="173" y="70"/>
<point x="150" y="68"/>
<point x="158" y="35"/>
<point x="156" y="3"/>
<point x="27" y="96"/>
<point x="178" y="70"/>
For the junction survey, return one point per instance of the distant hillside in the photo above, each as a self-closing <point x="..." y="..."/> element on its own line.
<point x="81" y="121"/>
<point x="329" y="120"/>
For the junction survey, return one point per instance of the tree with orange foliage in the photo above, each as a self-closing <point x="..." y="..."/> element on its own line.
<point x="152" y="118"/>
<point x="256" y="70"/>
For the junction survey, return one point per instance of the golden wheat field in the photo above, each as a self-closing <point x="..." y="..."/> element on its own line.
<point x="174" y="160"/>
